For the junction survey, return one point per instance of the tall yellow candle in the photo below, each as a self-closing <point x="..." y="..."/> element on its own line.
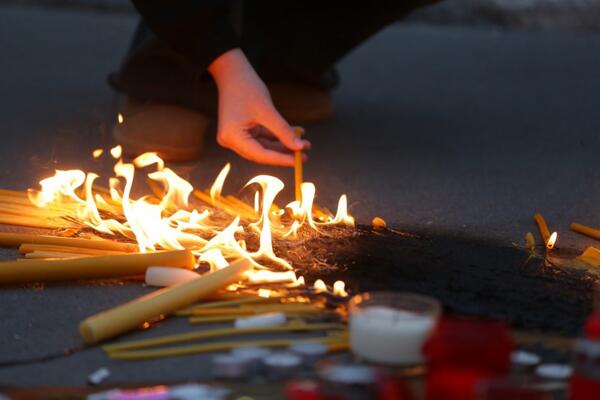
<point x="165" y="301"/>
<point x="17" y="239"/>
<point x="112" y="266"/>
<point x="298" y="166"/>
<point x="585" y="230"/>
<point x="542" y="226"/>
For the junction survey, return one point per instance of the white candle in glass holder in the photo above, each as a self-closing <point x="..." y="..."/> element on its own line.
<point x="390" y="336"/>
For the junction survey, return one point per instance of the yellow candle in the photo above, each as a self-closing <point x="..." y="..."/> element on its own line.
<point x="224" y="205"/>
<point x="36" y="222"/>
<point x="226" y="303"/>
<point x="219" y="333"/>
<point x="165" y="301"/>
<point x="112" y="266"/>
<point x="585" y="230"/>
<point x="16" y="239"/>
<point x="333" y="344"/>
<point x="258" y="309"/>
<point x="31" y="247"/>
<point x="542" y="226"/>
<point x="298" y="166"/>
<point x="591" y="256"/>
<point x="52" y="254"/>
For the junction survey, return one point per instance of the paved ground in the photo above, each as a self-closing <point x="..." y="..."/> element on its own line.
<point x="466" y="131"/>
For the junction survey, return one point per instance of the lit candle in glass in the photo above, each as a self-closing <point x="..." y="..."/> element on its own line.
<point x="390" y="328"/>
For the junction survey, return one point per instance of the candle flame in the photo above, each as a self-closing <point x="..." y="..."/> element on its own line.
<point x="168" y="219"/>
<point x="339" y="288"/>
<point x="320" y="286"/>
<point x="116" y="151"/>
<point x="552" y="241"/>
<point x="120" y="118"/>
<point x="97" y="153"/>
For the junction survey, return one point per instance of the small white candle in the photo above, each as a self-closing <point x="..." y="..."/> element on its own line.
<point x="386" y="335"/>
<point x="166" y="276"/>
<point x="267" y="319"/>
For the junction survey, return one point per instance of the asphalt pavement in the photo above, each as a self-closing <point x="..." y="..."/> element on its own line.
<point x="466" y="131"/>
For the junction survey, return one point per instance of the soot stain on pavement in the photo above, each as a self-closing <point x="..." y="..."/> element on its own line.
<point x="469" y="276"/>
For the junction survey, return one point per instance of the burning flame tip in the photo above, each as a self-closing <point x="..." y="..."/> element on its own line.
<point x="552" y="241"/>
<point x="116" y="151"/>
<point x="339" y="289"/>
<point x="320" y="286"/>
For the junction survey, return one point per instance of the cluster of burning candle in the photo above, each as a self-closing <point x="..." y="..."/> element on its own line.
<point x="196" y="251"/>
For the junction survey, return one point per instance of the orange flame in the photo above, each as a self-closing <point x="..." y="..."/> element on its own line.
<point x="116" y="151"/>
<point x="552" y="241"/>
<point x="339" y="288"/>
<point x="167" y="219"/>
<point x="320" y="286"/>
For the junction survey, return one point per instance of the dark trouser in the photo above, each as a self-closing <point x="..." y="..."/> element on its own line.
<point x="295" y="42"/>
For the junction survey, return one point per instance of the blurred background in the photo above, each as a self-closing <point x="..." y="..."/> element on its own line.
<point x="579" y="15"/>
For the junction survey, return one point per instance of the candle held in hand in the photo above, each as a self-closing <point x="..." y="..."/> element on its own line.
<point x="298" y="166"/>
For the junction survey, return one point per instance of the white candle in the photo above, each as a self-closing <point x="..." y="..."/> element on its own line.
<point x="386" y="335"/>
<point x="167" y="276"/>
<point x="267" y="319"/>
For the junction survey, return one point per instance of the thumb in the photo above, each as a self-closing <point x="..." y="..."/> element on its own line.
<point x="275" y="123"/>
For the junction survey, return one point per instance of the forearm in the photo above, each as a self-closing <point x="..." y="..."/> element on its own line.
<point x="232" y="66"/>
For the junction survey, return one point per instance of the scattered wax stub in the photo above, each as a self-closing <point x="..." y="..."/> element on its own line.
<point x="254" y="356"/>
<point x="168" y="276"/>
<point x="229" y="366"/>
<point x="96" y="377"/>
<point x="282" y="366"/>
<point x="251" y="353"/>
<point x="530" y="241"/>
<point x="352" y="374"/>
<point x="525" y="358"/>
<point x="554" y="371"/>
<point x="310" y="352"/>
<point x="268" y="319"/>
<point x="352" y="381"/>
<point x="378" y="223"/>
<point x="193" y="391"/>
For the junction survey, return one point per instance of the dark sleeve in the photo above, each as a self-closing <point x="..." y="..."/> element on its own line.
<point x="198" y="30"/>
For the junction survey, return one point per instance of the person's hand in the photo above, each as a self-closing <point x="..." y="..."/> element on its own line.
<point x="248" y="122"/>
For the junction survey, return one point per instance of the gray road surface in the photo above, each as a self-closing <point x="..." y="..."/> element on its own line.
<point x="460" y="130"/>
